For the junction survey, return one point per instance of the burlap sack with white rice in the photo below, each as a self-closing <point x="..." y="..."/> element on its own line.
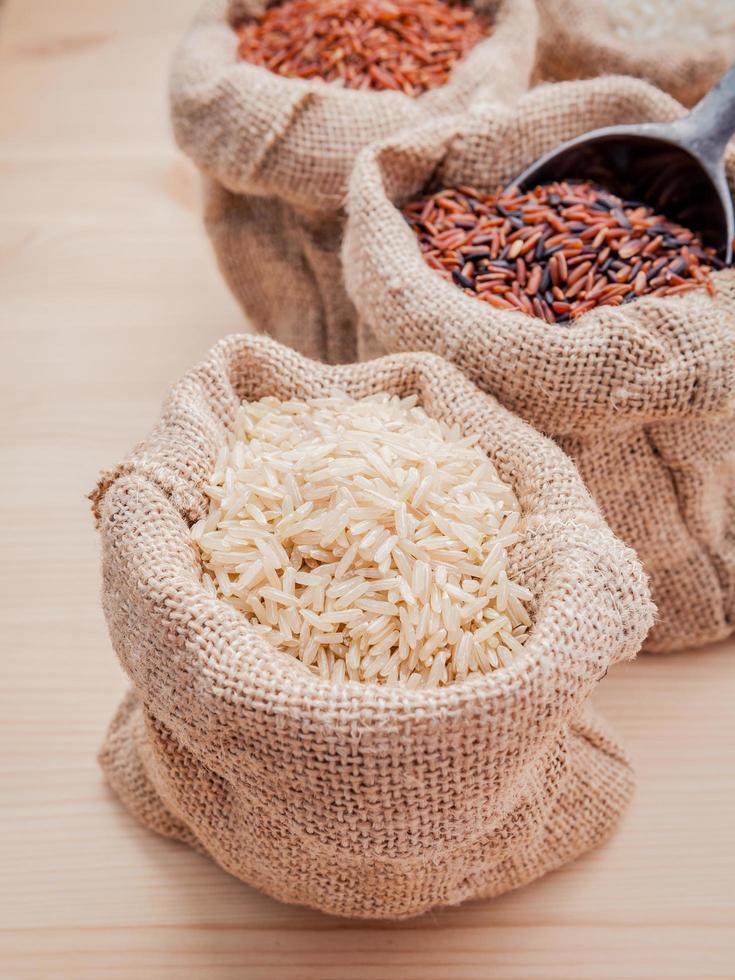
<point x="578" y="39"/>
<point x="359" y="799"/>
<point x="276" y="154"/>
<point x="641" y="396"/>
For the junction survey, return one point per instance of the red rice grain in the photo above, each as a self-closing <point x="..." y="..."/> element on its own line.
<point x="557" y="251"/>
<point x="363" y="44"/>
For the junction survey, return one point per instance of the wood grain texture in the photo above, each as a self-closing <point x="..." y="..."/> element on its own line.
<point x="109" y="291"/>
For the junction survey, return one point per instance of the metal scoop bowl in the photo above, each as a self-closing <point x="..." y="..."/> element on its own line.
<point x="676" y="168"/>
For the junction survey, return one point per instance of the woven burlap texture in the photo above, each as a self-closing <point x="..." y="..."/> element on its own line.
<point x="641" y="396"/>
<point x="277" y="153"/>
<point x="359" y="799"/>
<point x="577" y="39"/>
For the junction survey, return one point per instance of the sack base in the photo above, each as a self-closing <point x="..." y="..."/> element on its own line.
<point x="595" y="787"/>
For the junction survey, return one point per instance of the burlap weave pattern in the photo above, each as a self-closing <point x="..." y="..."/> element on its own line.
<point x="642" y="396"/>
<point x="577" y="40"/>
<point x="359" y="799"/>
<point x="276" y="154"/>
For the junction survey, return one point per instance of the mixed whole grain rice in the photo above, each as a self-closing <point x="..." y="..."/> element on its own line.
<point x="558" y="250"/>
<point x="409" y="47"/>
<point x="367" y="539"/>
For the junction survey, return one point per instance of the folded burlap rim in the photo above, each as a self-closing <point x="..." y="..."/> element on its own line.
<point x="581" y="574"/>
<point x="657" y="358"/>
<point x="258" y="132"/>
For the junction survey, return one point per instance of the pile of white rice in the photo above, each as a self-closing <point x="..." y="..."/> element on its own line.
<point x="689" y="21"/>
<point x="367" y="539"/>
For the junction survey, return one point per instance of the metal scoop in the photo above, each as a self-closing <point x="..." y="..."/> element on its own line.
<point x="676" y="168"/>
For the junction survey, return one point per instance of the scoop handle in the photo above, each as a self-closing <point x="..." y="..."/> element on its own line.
<point x="707" y="129"/>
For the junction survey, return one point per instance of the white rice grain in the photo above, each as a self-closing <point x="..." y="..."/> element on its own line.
<point x="690" y="22"/>
<point x="367" y="539"/>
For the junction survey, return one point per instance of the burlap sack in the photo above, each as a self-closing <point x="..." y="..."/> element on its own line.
<point x="578" y="40"/>
<point x="642" y="396"/>
<point x="277" y="153"/>
<point x="358" y="799"/>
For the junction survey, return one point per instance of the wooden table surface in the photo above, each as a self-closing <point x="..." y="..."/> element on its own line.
<point x="109" y="292"/>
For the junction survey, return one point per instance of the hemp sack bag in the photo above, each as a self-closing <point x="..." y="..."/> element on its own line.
<point x="361" y="799"/>
<point x="641" y="396"/>
<point x="276" y="154"/>
<point x="577" y="39"/>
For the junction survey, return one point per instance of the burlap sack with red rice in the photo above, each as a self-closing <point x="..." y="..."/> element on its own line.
<point x="641" y="396"/>
<point x="359" y="799"/>
<point x="276" y="154"/>
<point x="577" y="39"/>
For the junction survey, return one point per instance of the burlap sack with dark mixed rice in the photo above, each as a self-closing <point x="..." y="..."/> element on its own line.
<point x="359" y="799"/>
<point x="578" y="39"/>
<point x="277" y="153"/>
<point x="642" y="396"/>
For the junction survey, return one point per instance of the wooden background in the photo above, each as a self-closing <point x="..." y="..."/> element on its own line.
<point x="109" y="292"/>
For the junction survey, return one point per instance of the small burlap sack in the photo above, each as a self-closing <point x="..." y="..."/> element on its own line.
<point x="359" y="799"/>
<point x="577" y="39"/>
<point x="642" y="396"/>
<point x="277" y="153"/>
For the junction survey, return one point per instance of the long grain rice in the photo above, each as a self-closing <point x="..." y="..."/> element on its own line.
<point x="367" y="539"/>
<point x="409" y="47"/>
<point x="687" y="21"/>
